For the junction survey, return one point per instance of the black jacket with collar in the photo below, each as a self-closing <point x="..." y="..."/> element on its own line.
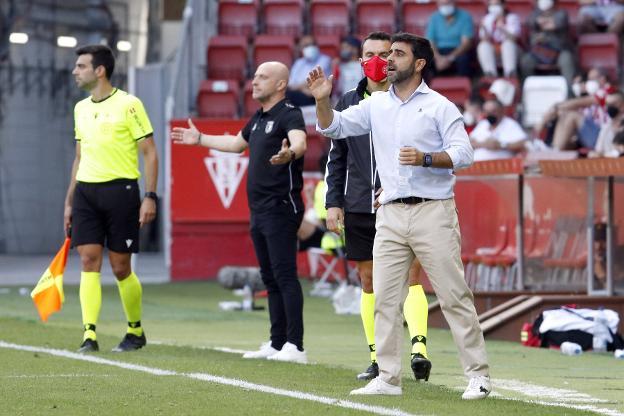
<point x="351" y="174"/>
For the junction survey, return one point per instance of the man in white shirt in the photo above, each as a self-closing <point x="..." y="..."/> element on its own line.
<point x="615" y="109"/>
<point x="497" y="136"/>
<point x="419" y="139"/>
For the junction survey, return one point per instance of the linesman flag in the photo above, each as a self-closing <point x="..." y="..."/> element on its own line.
<point x="48" y="294"/>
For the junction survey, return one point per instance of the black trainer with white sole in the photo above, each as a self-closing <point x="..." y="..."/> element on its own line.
<point x="131" y="342"/>
<point x="89" y="345"/>
<point x="421" y="366"/>
<point x="371" y="372"/>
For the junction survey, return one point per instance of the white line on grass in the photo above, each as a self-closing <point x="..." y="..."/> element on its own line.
<point x="213" y="379"/>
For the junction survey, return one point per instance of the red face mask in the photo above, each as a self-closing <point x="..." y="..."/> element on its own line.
<point x="376" y="68"/>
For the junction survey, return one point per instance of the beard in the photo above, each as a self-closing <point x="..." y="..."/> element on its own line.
<point x="400" y="76"/>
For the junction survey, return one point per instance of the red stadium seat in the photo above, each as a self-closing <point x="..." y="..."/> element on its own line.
<point x="522" y="8"/>
<point x="572" y="7"/>
<point x="250" y="106"/>
<point x="227" y="57"/>
<point x="274" y="48"/>
<point x="283" y="17"/>
<point x="316" y="146"/>
<point x="238" y="18"/>
<point x="329" y="17"/>
<point x="329" y="45"/>
<point x="456" y="89"/>
<point x="416" y="15"/>
<point x="372" y="15"/>
<point x="600" y="50"/>
<point x="476" y="8"/>
<point x="218" y="99"/>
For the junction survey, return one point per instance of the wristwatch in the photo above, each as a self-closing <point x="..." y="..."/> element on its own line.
<point x="427" y="160"/>
<point x="152" y="195"/>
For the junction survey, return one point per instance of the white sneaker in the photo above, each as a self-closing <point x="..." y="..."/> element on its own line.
<point x="479" y="387"/>
<point x="265" y="351"/>
<point x="290" y="353"/>
<point x="378" y="386"/>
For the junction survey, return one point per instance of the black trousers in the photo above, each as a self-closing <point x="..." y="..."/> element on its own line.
<point x="274" y="235"/>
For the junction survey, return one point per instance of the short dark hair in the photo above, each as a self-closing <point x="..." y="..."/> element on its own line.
<point x="101" y="55"/>
<point x="378" y="36"/>
<point x="421" y="47"/>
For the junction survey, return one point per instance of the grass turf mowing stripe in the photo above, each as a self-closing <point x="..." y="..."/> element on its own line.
<point x="212" y="379"/>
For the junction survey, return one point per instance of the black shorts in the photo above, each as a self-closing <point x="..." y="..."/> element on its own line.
<point x="107" y="214"/>
<point x="359" y="235"/>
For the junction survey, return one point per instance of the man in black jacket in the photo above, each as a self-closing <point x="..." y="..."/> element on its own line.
<point x="352" y="182"/>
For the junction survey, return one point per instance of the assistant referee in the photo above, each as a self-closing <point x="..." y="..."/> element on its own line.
<point x="103" y="205"/>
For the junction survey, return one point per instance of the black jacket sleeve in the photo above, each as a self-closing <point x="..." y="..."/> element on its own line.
<point x="336" y="174"/>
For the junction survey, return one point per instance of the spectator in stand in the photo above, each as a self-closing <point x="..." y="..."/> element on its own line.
<point x="497" y="136"/>
<point x="473" y="108"/>
<point x="548" y="41"/>
<point x="605" y="146"/>
<point x="578" y="120"/>
<point x="597" y="15"/>
<point x="499" y="32"/>
<point x="348" y="68"/>
<point x="451" y="32"/>
<point x="311" y="57"/>
<point x="618" y="143"/>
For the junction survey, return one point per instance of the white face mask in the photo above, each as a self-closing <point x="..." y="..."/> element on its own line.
<point x="495" y="9"/>
<point x="544" y="5"/>
<point x="446" y="10"/>
<point x="310" y="52"/>
<point x="577" y="89"/>
<point x="592" y="86"/>
<point x="469" y="119"/>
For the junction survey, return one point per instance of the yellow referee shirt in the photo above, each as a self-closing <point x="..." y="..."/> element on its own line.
<point x="109" y="131"/>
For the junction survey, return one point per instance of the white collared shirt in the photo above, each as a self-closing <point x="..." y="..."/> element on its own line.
<point x="426" y="121"/>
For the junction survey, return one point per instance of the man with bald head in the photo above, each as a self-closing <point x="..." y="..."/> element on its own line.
<point x="276" y="139"/>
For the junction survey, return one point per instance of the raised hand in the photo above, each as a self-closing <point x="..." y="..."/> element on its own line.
<point x="319" y="86"/>
<point x="285" y="155"/>
<point x="183" y="135"/>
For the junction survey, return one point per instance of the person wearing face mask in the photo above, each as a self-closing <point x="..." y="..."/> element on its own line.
<point x="352" y="182"/>
<point x="548" y="41"/>
<point x="499" y="32"/>
<point x="450" y="31"/>
<point x="419" y="140"/>
<point x="579" y="119"/>
<point x="348" y="69"/>
<point x="497" y="136"/>
<point x="311" y="57"/>
<point x="473" y="110"/>
<point x="605" y="146"/>
<point x="597" y="15"/>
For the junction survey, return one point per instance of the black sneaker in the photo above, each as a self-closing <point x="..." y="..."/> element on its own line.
<point x="89" y="345"/>
<point x="371" y="372"/>
<point x="131" y="342"/>
<point x="420" y="366"/>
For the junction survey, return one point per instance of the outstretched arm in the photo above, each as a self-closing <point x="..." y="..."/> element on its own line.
<point x="192" y="136"/>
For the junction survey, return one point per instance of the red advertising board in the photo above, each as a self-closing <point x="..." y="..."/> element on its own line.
<point x="208" y="185"/>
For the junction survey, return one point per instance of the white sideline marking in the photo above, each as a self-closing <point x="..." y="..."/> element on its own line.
<point x="543" y="392"/>
<point x="213" y="379"/>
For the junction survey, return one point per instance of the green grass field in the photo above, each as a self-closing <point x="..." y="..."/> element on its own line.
<point x="184" y="325"/>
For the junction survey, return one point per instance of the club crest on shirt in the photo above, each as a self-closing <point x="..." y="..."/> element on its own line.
<point x="269" y="127"/>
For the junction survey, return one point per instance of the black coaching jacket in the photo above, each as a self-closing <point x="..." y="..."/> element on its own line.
<point x="351" y="174"/>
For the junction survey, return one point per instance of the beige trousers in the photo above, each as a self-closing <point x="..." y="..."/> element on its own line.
<point x="429" y="231"/>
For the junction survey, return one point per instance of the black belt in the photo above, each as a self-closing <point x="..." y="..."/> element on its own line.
<point x="411" y="200"/>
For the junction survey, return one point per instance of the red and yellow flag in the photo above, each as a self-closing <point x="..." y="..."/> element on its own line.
<point x="48" y="294"/>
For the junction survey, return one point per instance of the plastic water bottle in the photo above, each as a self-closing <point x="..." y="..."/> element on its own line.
<point x="571" y="348"/>
<point x="619" y="354"/>
<point x="405" y="173"/>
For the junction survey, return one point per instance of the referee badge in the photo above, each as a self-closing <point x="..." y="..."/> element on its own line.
<point x="269" y="127"/>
